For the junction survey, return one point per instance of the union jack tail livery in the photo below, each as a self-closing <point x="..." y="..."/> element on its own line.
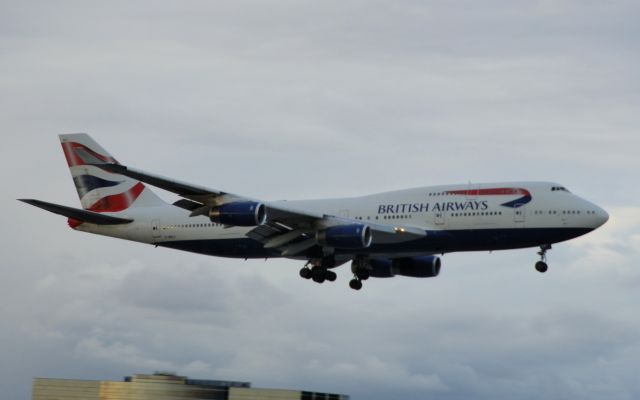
<point x="99" y="190"/>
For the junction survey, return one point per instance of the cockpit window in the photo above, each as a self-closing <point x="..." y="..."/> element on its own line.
<point x="559" y="188"/>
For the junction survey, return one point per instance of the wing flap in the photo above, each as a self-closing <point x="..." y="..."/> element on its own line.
<point x="283" y="239"/>
<point x="77" y="214"/>
<point x="298" y="247"/>
<point x="282" y="212"/>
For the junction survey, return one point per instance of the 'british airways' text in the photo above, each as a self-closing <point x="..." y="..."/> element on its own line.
<point x="431" y="207"/>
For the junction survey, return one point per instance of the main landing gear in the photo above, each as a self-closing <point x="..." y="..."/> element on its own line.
<point x="361" y="272"/>
<point x="319" y="271"/>
<point x="541" y="266"/>
<point x="355" y="284"/>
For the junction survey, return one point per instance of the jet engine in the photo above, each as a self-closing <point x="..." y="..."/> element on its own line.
<point x="353" y="236"/>
<point x="241" y="213"/>
<point x="416" y="267"/>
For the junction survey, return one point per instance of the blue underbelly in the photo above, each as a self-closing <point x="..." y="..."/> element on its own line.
<point x="434" y="242"/>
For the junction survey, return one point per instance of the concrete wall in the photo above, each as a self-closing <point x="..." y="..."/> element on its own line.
<point x="263" y="394"/>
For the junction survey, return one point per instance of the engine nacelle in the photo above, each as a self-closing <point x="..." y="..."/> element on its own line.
<point x="241" y="213"/>
<point x="416" y="267"/>
<point x="353" y="236"/>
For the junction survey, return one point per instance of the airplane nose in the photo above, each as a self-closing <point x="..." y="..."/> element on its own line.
<point x="602" y="216"/>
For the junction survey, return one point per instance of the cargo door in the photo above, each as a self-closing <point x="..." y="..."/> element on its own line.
<point x="439" y="218"/>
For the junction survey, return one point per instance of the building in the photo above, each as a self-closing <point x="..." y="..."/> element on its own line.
<point x="164" y="386"/>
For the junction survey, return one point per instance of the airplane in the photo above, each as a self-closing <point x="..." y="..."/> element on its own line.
<point x="402" y="232"/>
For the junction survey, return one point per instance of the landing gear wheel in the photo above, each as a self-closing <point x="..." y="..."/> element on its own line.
<point x="318" y="274"/>
<point x="305" y="273"/>
<point x="541" y="266"/>
<point x="361" y="268"/>
<point x="330" y="276"/>
<point x="363" y="274"/>
<point x="355" y="284"/>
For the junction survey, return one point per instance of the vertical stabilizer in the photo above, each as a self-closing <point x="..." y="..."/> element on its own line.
<point x="99" y="190"/>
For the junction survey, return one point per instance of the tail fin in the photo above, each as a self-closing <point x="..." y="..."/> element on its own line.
<point x="99" y="190"/>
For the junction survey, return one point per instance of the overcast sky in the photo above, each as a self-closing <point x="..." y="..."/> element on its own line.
<point x="295" y="99"/>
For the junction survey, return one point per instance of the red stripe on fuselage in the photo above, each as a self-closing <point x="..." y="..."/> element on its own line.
<point x="118" y="202"/>
<point x="491" y="192"/>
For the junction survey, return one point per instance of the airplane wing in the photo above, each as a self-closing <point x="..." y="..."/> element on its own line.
<point x="183" y="189"/>
<point x="288" y="229"/>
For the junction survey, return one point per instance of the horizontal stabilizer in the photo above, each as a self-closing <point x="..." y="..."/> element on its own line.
<point x="77" y="214"/>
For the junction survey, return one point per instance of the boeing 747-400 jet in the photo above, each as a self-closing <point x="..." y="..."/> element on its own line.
<point x="386" y="234"/>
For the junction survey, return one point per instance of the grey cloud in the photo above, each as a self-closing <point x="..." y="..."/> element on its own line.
<point x="297" y="100"/>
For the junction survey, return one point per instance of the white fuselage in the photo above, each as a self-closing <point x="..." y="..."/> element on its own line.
<point x="468" y="212"/>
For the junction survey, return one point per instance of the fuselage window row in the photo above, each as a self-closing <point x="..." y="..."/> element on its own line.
<point x="209" y="225"/>
<point x="485" y="214"/>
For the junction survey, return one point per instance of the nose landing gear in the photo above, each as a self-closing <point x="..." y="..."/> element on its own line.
<point x="541" y="266"/>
